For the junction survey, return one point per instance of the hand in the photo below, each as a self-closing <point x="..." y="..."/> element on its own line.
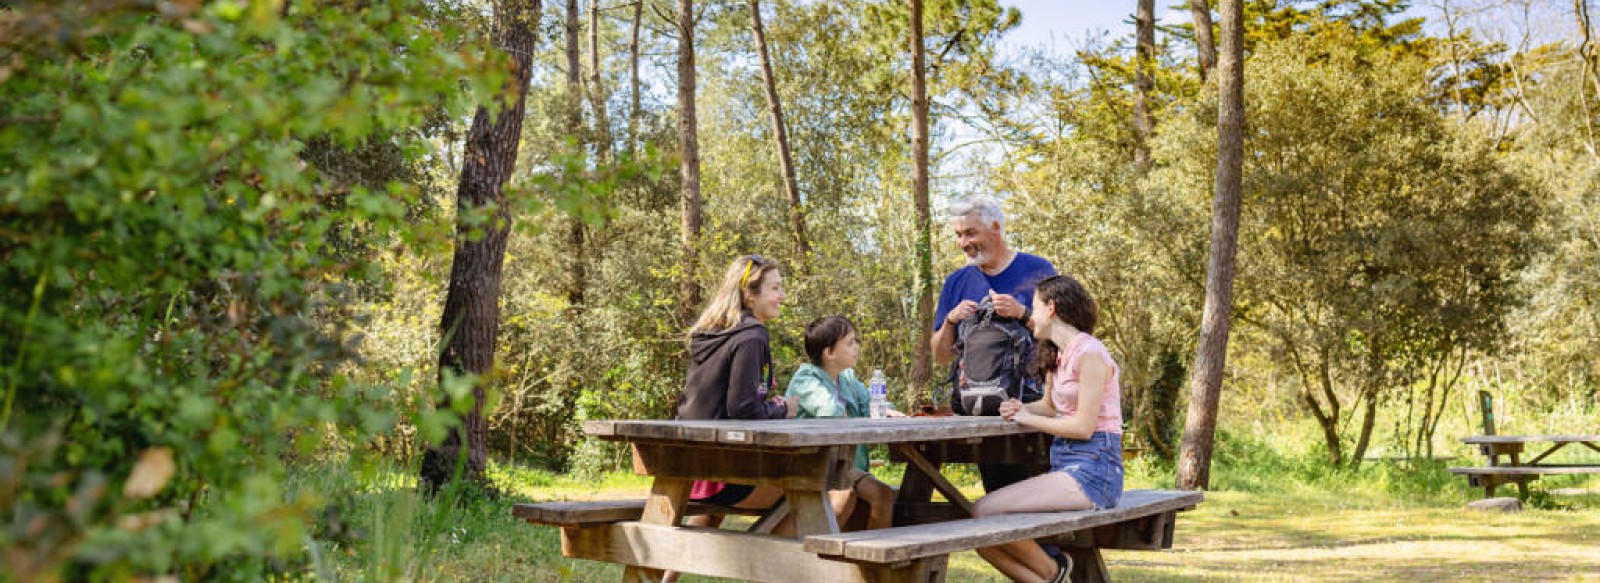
<point x="893" y="413"/>
<point x="961" y="312"/>
<point x="793" y="404"/>
<point x="1010" y="408"/>
<point x="1007" y="306"/>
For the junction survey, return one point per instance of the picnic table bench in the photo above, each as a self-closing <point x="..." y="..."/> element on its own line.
<point x="1513" y="469"/>
<point x="806" y="458"/>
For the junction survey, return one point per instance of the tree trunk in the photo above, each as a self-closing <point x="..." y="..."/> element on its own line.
<point x="1447" y="386"/>
<point x="602" y="138"/>
<point x="1205" y="387"/>
<point x="1586" y="46"/>
<point x="1591" y="74"/>
<point x="577" y="276"/>
<point x="1161" y="404"/>
<point x="922" y="363"/>
<point x="1310" y="379"/>
<point x="573" y="110"/>
<point x="597" y="93"/>
<point x="1143" y="82"/>
<point x="688" y="165"/>
<point x="1369" y="415"/>
<point x="1328" y="421"/>
<point x="780" y="133"/>
<point x="470" y="324"/>
<point x="1203" y="43"/>
<point x="1329" y="425"/>
<point x="633" y="78"/>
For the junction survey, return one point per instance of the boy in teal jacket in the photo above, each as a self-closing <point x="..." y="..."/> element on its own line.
<point x="827" y="387"/>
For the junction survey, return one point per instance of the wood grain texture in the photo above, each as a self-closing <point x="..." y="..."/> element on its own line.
<point x="1479" y="439"/>
<point x="809" y="468"/>
<point x="663" y="507"/>
<point x="1027" y="448"/>
<point x="813" y="512"/>
<point x="712" y="552"/>
<point x="790" y="433"/>
<point x="606" y="511"/>
<point x="912" y="542"/>
<point x="1527" y="470"/>
<point x="770" y="518"/>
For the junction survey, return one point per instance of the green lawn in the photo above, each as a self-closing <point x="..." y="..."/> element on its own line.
<point x="1284" y="530"/>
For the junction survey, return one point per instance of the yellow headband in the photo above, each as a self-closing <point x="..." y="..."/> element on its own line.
<point x="746" y="277"/>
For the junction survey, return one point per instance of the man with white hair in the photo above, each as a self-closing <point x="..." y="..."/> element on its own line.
<point x="993" y="271"/>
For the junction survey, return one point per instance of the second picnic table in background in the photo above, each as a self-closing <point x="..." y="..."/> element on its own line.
<point x="1514" y="469"/>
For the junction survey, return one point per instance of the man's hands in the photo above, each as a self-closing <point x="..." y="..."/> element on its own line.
<point x="793" y="403"/>
<point x="961" y="312"/>
<point x="1007" y="306"/>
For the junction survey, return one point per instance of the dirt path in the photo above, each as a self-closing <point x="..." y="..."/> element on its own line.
<point x="1320" y="537"/>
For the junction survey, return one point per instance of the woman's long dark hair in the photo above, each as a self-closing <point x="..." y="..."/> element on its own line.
<point x="1074" y="306"/>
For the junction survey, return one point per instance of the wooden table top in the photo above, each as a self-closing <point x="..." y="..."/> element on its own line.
<point x="1530" y="438"/>
<point x="804" y="432"/>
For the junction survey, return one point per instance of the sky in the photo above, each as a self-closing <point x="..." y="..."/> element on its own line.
<point x="1067" y="24"/>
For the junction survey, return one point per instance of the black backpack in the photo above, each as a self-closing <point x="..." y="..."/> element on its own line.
<point x="992" y="357"/>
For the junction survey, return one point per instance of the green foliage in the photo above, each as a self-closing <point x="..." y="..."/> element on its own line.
<point x="1559" y="327"/>
<point x="179" y="271"/>
<point x="1375" y="242"/>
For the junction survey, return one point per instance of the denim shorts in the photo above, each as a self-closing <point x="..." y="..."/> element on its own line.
<point x="1096" y="463"/>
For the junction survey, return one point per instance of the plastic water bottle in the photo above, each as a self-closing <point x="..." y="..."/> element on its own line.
<point x="878" y="389"/>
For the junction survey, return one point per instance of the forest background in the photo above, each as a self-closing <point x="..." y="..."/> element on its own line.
<point x="226" y="231"/>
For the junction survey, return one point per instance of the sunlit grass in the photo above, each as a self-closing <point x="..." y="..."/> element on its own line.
<point x="1274" y="517"/>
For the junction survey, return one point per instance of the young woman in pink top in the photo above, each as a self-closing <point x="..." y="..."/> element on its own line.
<point x="1082" y="409"/>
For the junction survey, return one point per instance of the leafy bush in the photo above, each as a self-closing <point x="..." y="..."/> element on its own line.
<point x="175" y="294"/>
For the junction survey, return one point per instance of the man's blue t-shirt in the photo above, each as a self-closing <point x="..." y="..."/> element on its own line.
<point x="971" y="283"/>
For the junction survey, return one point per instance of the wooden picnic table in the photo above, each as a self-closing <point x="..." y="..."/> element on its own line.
<point x="804" y="457"/>
<point x="808" y="457"/>
<point x="1514" y="469"/>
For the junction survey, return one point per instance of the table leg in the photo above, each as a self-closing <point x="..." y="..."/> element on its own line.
<point x="1522" y="484"/>
<point x="924" y="570"/>
<point x="915" y="486"/>
<point x="813" y="512"/>
<point x="668" y="497"/>
<point x="771" y="518"/>
<point x="931" y="472"/>
<point x="1539" y="458"/>
<point x="916" y="490"/>
<point x="1087" y="565"/>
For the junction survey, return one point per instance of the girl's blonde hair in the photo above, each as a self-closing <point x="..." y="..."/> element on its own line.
<point x="739" y="285"/>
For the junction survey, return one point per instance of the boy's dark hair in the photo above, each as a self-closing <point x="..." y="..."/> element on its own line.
<point x="822" y="333"/>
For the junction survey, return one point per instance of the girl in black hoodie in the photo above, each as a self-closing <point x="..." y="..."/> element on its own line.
<point x="730" y="366"/>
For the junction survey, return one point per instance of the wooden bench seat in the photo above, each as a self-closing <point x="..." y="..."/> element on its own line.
<point x="1140" y="521"/>
<point x="606" y="511"/>
<point x="1491" y="477"/>
<point x="1527" y="470"/>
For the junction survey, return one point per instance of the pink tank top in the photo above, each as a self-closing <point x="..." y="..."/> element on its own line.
<point x="1064" y="389"/>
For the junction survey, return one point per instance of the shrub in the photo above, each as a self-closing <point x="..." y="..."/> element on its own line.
<point x="174" y="280"/>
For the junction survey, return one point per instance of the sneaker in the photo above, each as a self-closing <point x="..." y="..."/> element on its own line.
<point x="1065" y="574"/>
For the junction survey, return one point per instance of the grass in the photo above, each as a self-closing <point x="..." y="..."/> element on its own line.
<point x="1271" y="517"/>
